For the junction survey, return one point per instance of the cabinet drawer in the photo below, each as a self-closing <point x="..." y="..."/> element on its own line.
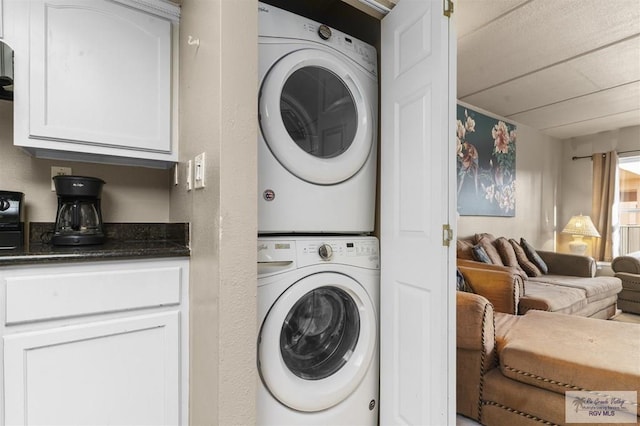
<point x="41" y="296"/>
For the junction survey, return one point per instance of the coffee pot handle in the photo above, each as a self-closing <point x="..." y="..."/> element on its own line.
<point x="75" y="216"/>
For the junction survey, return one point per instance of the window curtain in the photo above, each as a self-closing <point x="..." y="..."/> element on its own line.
<point x="605" y="168"/>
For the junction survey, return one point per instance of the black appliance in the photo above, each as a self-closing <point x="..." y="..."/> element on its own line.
<point x="79" y="219"/>
<point x="11" y="220"/>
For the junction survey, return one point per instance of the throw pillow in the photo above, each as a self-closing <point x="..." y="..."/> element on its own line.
<point x="480" y="254"/>
<point x="487" y="244"/>
<point x="533" y="256"/>
<point x="528" y="266"/>
<point x="508" y="254"/>
<point x="461" y="284"/>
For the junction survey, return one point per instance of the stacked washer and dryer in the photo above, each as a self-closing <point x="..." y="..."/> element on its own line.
<point x="318" y="265"/>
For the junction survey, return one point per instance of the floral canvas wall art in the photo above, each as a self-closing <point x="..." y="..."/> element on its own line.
<point x="486" y="165"/>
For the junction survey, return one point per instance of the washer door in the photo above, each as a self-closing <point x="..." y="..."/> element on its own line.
<point x="317" y="342"/>
<point x="315" y="118"/>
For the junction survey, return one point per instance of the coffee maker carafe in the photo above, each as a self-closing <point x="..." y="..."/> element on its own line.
<point x="79" y="219"/>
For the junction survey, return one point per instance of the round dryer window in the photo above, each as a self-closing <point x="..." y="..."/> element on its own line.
<point x="315" y="118"/>
<point x="317" y="342"/>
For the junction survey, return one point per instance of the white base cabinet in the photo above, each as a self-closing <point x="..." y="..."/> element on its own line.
<point x="102" y="343"/>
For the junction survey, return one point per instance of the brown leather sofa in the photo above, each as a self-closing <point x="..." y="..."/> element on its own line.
<point x="515" y="369"/>
<point x="569" y="285"/>
<point x="627" y="268"/>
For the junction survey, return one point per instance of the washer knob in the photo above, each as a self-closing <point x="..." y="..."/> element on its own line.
<point x="324" y="32"/>
<point x="325" y="251"/>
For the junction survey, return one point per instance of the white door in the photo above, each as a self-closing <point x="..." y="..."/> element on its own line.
<point x="417" y="168"/>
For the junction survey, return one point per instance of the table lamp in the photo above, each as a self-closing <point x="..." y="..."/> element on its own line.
<point x="580" y="226"/>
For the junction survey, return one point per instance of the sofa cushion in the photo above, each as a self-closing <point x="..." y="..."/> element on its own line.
<point x="549" y="297"/>
<point x="507" y="254"/>
<point x="463" y="249"/>
<point x="487" y="244"/>
<point x="528" y="266"/>
<point x="533" y="256"/>
<point x="484" y="235"/>
<point x="596" y="288"/>
<point x="508" y="402"/>
<point x="579" y="354"/>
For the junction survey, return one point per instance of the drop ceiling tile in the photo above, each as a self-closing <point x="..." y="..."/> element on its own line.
<point x="593" y="126"/>
<point x="538" y="34"/>
<point x="601" y="104"/>
<point x="539" y="89"/>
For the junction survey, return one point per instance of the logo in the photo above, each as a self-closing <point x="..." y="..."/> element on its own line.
<point x="601" y="407"/>
<point x="263" y="9"/>
<point x="269" y="195"/>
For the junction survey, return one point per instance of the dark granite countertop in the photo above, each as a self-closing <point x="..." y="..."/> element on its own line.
<point x="123" y="241"/>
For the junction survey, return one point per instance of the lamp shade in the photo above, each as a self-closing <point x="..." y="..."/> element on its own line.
<point x="581" y="225"/>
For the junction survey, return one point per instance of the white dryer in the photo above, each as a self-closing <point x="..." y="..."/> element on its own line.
<point x="318" y="340"/>
<point x="317" y="147"/>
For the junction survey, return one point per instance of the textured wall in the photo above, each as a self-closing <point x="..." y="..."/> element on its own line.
<point x="218" y="98"/>
<point x="132" y="194"/>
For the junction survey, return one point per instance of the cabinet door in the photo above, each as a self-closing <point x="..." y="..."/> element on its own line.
<point x="123" y="371"/>
<point x="100" y="75"/>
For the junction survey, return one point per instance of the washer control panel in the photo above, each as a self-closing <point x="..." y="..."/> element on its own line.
<point x="306" y="251"/>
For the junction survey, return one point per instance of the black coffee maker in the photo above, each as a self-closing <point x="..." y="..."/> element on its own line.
<point x="79" y="219"/>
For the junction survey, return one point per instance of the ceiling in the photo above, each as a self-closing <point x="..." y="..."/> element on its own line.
<point x="565" y="67"/>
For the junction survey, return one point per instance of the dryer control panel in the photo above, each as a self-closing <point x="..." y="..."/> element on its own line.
<point x="275" y="22"/>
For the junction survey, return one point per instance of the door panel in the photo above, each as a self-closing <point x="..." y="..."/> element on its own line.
<point x="417" y="322"/>
<point x="124" y="371"/>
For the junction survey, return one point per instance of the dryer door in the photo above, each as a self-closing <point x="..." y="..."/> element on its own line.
<point x="315" y="117"/>
<point x="317" y="342"/>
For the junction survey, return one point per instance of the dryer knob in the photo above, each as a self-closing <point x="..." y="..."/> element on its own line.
<point x="324" y="32"/>
<point x="325" y="251"/>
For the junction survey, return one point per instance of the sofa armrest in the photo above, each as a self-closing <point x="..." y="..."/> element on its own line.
<point x="629" y="263"/>
<point x="502" y="288"/>
<point x="474" y="322"/>
<point x="569" y="264"/>
<point x="475" y="351"/>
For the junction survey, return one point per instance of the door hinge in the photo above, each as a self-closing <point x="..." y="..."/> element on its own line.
<point x="447" y="235"/>
<point x="447" y="8"/>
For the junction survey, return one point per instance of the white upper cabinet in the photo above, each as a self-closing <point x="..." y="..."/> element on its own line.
<point x="1" y="32"/>
<point x="101" y="81"/>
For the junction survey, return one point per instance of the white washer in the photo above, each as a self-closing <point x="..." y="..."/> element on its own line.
<point x="318" y="320"/>
<point x="318" y="108"/>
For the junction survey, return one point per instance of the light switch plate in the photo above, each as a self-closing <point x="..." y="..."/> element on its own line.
<point x="57" y="171"/>
<point x="199" y="171"/>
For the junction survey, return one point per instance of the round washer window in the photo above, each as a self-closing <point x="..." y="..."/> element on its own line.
<point x="318" y="112"/>
<point x="320" y="333"/>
